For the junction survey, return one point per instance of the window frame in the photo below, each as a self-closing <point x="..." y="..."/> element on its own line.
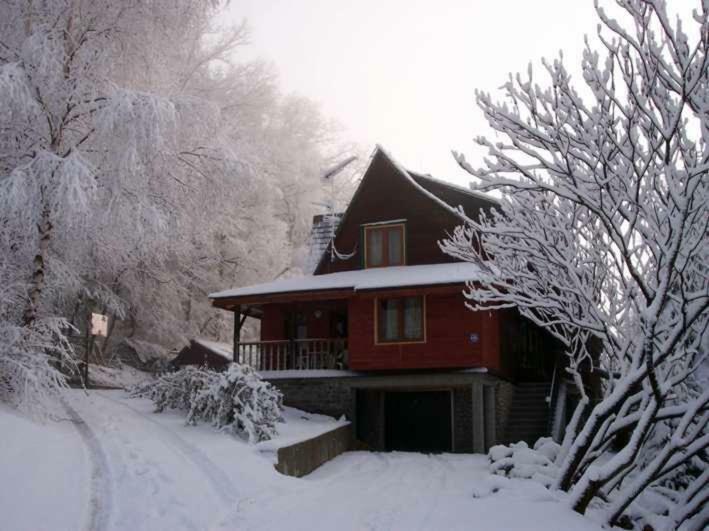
<point x="384" y="228"/>
<point x="401" y="340"/>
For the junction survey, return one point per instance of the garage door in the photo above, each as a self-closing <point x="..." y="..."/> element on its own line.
<point x="418" y="421"/>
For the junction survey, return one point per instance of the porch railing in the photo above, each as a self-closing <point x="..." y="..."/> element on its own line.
<point x="296" y="354"/>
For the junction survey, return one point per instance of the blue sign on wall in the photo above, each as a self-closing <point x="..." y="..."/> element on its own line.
<point x="474" y="337"/>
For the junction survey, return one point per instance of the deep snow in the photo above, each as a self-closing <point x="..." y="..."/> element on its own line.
<point x="119" y="466"/>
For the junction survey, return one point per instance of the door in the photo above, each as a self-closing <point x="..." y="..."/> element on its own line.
<point x="418" y="421"/>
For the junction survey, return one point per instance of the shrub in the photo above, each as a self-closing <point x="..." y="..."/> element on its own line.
<point x="235" y="400"/>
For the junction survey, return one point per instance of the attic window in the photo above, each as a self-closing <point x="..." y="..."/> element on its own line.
<point x="384" y="245"/>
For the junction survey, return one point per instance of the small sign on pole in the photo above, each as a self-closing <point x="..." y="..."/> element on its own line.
<point x="99" y="325"/>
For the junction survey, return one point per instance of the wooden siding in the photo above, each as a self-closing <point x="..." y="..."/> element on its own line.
<point x="384" y="195"/>
<point x="448" y="345"/>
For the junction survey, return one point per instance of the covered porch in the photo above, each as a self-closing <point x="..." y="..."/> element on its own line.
<point x="316" y="322"/>
<point x="294" y="354"/>
<point x="295" y="335"/>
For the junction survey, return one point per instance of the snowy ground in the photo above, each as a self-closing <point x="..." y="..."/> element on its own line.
<point x="113" y="464"/>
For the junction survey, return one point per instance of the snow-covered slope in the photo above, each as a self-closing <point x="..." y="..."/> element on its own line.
<point x="118" y="466"/>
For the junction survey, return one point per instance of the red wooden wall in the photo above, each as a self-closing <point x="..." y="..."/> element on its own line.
<point x="448" y="328"/>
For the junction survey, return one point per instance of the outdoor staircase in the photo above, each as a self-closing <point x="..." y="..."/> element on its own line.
<point x="529" y="414"/>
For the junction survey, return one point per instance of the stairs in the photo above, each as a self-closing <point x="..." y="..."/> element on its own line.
<point x="529" y="413"/>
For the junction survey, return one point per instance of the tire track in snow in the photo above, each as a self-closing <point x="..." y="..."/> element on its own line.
<point x="101" y="494"/>
<point x="220" y="482"/>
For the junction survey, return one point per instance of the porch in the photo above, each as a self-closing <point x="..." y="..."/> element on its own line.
<point x="294" y="354"/>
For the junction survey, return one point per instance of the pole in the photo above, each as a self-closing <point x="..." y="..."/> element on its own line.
<point x="238" y="321"/>
<point x="89" y="346"/>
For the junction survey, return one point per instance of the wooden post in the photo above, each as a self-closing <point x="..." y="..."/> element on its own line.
<point x="238" y="321"/>
<point x="87" y="348"/>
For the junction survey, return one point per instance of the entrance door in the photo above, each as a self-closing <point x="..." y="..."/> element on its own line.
<point x="418" y="421"/>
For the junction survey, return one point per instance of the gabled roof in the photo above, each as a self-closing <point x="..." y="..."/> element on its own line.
<point x="445" y="195"/>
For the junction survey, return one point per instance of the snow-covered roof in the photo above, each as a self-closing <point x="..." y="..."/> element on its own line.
<point x="467" y="191"/>
<point x="221" y="349"/>
<point x="365" y="279"/>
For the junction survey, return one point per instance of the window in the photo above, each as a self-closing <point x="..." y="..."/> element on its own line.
<point x="384" y="245"/>
<point x="400" y="320"/>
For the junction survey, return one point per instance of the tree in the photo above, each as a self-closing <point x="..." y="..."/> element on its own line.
<point x="601" y="238"/>
<point x="142" y="166"/>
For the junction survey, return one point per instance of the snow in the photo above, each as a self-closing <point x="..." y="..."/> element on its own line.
<point x="123" y="376"/>
<point x="44" y="479"/>
<point x="365" y="279"/>
<point x="151" y="472"/>
<point x="224" y="350"/>
<point x="312" y="373"/>
<point x="387" y="222"/>
<point x="299" y="426"/>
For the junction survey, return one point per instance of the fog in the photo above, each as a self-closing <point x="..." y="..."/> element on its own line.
<point x="403" y="72"/>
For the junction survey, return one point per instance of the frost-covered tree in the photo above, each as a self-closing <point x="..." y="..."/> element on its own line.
<point x="142" y="166"/>
<point x="601" y="238"/>
<point x="62" y="123"/>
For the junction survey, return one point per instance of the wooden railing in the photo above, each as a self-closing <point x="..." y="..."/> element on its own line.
<point x="296" y="354"/>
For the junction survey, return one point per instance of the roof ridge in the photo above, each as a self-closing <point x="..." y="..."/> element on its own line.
<point x="420" y="188"/>
<point x="457" y="187"/>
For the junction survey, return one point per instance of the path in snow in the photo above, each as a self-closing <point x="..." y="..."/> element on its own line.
<point x="100" y="495"/>
<point x="221" y="484"/>
<point x="131" y="469"/>
<point x="408" y="492"/>
<point x="159" y="480"/>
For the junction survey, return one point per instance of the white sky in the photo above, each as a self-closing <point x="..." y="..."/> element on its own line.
<point x="402" y="73"/>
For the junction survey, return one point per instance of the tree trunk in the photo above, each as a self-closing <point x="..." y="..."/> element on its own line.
<point x="38" y="276"/>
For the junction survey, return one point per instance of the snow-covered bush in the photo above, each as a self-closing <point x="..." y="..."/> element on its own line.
<point x="34" y="360"/>
<point x="236" y="400"/>
<point x="518" y="460"/>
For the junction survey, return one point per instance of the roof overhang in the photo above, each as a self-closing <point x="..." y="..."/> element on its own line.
<point x="346" y="284"/>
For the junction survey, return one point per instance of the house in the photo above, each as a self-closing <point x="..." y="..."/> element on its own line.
<point x="203" y="353"/>
<point x="380" y="332"/>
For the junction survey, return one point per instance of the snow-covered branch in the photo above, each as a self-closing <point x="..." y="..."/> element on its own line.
<point x="601" y="236"/>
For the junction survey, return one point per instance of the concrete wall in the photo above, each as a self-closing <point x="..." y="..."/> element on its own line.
<point x="302" y="458"/>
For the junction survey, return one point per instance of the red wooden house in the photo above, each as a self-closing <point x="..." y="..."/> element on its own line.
<point x="381" y="334"/>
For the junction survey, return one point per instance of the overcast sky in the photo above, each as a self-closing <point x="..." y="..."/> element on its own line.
<point x="402" y="73"/>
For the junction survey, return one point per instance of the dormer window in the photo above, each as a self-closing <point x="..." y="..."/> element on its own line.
<point x="384" y="245"/>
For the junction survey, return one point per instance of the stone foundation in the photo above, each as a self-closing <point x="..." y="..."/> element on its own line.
<point x="480" y="403"/>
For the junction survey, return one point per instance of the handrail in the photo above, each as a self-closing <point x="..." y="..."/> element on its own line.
<point x="295" y="354"/>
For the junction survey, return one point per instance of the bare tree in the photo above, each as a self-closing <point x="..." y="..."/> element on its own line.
<point x="601" y="238"/>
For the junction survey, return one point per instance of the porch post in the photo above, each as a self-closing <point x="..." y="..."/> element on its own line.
<point x="237" y="332"/>
<point x="478" y="418"/>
